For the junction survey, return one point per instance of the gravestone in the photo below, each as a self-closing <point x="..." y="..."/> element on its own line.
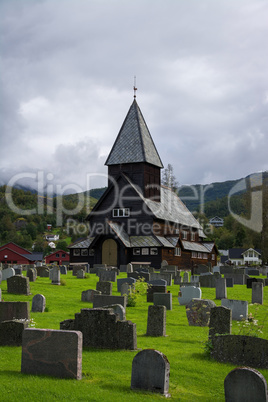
<point x="55" y="275"/>
<point x="187" y="293"/>
<point x="239" y="308"/>
<point x="164" y="263"/>
<point x="7" y="273"/>
<point x="107" y="276"/>
<point x="220" y="321"/>
<point x="250" y="281"/>
<point x="208" y="280"/>
<point x="105" y="288"/>
<point x="186" y="276"/>
<point x="194" y="280"/>
<point x="252" y="271"/>
<point x="44" y="352"/>
<point x="158" y="282"/>
<point x="102" y="329"/>
<point x="140" y="275"/>
<point x="44" y="272"/>
<point x="118" y="309"/>
<point x="80" y="274"/>
<point x="240" y="350"/>
<point x="120" y="281"/>
<point x="244" y="384"/>
<point x="257" y="293"/>
<point x="32" y="274"/>
<point x="18" y="284"/>
<point x="156" y="322"/>
<point x="17" y="269"/>
<point x="239" y="279"/>
<point x="163" y="299"/>
<point x="125" y="289"/>
<point x="177" y="279"/>
<point x="129" y="268"/>
<point x="106" y="300"/>
<point x="155" y="289"/>
<point x="221" y="291"/>
<point x="227" y="269"/>
<point x="229" y="282"/>
<point x="88" y="295"/>
<point x="11" y="332"/>
<point x="150" y="372"/>
<point x="198" y="312"/>
<point x="38" y="303"/>
<point x="77" y="268"/>
<point x="14" y="310"/>
<point x="166" y="276"/>
<point x="63" y="270"/>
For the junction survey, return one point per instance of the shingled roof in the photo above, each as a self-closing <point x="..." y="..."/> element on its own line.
<point x="134" y="142"/>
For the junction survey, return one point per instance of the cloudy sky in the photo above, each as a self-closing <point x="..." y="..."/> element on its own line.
<point x="67" y="71"/>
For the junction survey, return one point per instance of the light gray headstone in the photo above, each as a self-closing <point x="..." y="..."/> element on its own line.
<point x="80" y="274"/>
<point x="188" y="293"/>
<point x="88" y="295"/>
<point x="38" y="303"/>
<point x="244" y="384"/>
<point x="239" y="308"/>
<point x="128" y="280"/>
<point x="7" y="273"/>
<point x="55" y="275"/>
<point x="119" y="310"/>
<point x="150" y="371"/>
<point x="186" y="276"/>
<point x="125" y="289"/>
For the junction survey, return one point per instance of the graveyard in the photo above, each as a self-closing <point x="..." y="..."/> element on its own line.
<point x="106" y="374"/>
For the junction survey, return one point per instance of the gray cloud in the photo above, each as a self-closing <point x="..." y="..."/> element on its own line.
<point x="67" y="76"/>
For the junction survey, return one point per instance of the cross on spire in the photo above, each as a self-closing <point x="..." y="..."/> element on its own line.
<point x="135" y="89"/>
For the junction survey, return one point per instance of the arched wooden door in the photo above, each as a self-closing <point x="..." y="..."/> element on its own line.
<point x="109" y="252"/>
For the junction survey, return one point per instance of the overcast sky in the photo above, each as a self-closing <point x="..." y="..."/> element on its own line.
<point x="67" y="71"/>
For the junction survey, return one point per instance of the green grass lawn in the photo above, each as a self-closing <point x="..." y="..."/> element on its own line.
<point x="107" y="374"/>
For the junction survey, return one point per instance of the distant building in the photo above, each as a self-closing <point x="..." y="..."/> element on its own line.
<point x="11" y="253"/>
<point x="242" y="256"/>
<point x="59" y="257"/>
<point x="52" y="237"/>
<point x="216" y="221"/>
<point x="49" y="226"/>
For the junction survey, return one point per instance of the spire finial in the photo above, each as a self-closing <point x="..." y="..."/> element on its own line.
<point x="135" y="89"/>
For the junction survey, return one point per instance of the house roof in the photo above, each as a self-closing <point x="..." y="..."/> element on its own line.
<point x="83" y="243"/>
<point x="170" y="208"/>
<point x="134" y="142"/>
<point x="193" y="246"/>
<point x="236" y="253"/>
<point x="58" y="251"/>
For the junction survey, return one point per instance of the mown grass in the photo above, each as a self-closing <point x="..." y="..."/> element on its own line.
<point x="107" y="374"/>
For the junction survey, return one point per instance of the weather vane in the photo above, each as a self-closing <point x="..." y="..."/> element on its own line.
<point x="135" y="89"/>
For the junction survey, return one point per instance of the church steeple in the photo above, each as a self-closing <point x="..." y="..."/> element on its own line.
<point x="134" y="143"/>
<point x="134" y="153"/>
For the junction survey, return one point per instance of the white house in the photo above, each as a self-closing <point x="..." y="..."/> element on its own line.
<point x="216" y="221"/>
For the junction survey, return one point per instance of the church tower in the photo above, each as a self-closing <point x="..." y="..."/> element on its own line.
<point x="135" y="155"/>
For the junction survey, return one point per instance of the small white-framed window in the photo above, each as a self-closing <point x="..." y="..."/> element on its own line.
<point x="136" y="251"/>
<point x="121" y="212"/>
<point x="145" y="251"/>
<point x="154" y="251"/>
<point x="205" y="256"/>
<point x="76" y="252"/>
<point x="192" y="236"/>
<point x="213" y="257"/>
<point x="84" y="251"/>
<point x="184" y="234"/>
<point x="177" y="251"/>
<point x="199" y="255"/>
<point x="194" y="254"/>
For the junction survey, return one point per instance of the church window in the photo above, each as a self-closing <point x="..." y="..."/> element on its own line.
<point x="120" y="212"/>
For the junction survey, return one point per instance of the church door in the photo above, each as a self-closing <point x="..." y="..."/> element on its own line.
<point x="109" y="252"/>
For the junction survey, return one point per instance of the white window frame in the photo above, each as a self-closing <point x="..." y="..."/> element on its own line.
<point x="205" y="256"/>
<point x="145" y="251"/>
<point x="199" y="255"/>
<point x="213" y="257"/>
<point x="154" y="251"/>
<point x="76" y="252"/>
<point x="192" y="236"/>
<point x="136" y="251"/>
<point x="184" y="235"/>
<point x="194" y="254"/>
<point x="121" y="212"/>
<point x="177" y="251"/>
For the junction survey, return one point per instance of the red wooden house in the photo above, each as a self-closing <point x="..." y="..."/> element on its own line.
<point x="137" y="219"/>
<point x="11" y="253"/>
<point x="59" y="257"/>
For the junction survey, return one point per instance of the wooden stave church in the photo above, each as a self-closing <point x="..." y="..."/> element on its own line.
<point x="136" y="219"/>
